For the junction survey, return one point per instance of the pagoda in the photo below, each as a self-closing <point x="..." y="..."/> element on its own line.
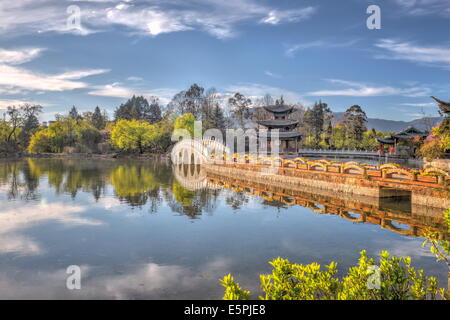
<point x="287" y="128"/>
<point x="392" y="141"/>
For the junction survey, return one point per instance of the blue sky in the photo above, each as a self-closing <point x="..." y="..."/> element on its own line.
<point x="304" y="50"/>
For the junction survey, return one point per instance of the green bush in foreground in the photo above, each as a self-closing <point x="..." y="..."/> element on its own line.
<point x="393" y="279"/>
<point x="440" y="247"/>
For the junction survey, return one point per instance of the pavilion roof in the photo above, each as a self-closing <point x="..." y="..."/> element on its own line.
<point x="284" y="135"/>
<point x="410" y="132"/>
<point x="279" y="108"/>
<point x="386" y="140"/>
<point x="444" y="106"/>
<point x="278" y="123"/>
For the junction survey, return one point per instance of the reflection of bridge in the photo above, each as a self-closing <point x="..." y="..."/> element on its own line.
<point x="411" y="221"/>
<point x="358" y="209"/>
<point x="192" y="177"/>
<point x="427" y="187"/>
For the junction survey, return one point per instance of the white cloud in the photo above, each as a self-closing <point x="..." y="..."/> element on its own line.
<point x="356" y="89"/>
<point x="425" y="7"/>
<point x="5" y="103"/>
<point x="397" y="50"/>
<point x="112" y="90"/>
<point x="133" y="78"/>
<point x="19" y="56"/>
<point x="216" y="17"/>
<point x="78" y="74"/>
<point x="291" y="50"/>
<point x="13" y="79"/>
<point x="430" y="104"/>
<point x="295" y="15"/>
<point x="116" y="90"/>
<point x="257" y="91"/>
<point x="272" y="74"/>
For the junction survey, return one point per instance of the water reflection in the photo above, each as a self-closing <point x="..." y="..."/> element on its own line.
<point x="145" y="229"/>
<point x="190" y="191"/>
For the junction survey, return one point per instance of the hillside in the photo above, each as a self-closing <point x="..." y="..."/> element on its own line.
<point x="392" y="125"/>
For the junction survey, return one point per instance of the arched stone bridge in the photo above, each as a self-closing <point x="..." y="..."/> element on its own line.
<point x="193" y="151"/>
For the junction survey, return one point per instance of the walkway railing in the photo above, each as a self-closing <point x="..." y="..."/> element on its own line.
<point x="390" y="171"/>
<point x="349" y="152"/>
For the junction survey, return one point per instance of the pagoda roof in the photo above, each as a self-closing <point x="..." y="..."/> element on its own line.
<point x="279" y="108"/>
<point x="444" y="106"/>
<point x="278" y="123"/>
<point x="283" y="135"/>
<point x="410" y="132"/>
<point x="386" y="140"/>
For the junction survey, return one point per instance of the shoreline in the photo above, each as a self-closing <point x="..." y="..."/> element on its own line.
<point x="108" y="156"/>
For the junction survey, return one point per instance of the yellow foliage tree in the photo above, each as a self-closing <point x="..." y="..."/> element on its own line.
<point x="134" y="135"/>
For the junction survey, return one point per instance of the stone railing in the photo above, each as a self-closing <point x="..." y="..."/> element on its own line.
<point x="430" y="175"/>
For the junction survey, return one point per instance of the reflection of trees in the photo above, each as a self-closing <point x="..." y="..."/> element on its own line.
<point x="20" y="181"/>
<point x="191" y="203"/>
<point x="136" y="184"/>
<point x="70" y="176"/>
<point x="237" y="200"/>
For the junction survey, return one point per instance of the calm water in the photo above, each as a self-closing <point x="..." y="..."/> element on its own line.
<point x="138" y="232"/>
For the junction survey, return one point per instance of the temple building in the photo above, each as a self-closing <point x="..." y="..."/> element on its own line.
<point x="406" y="136"/>
<point x="288" y="135"/>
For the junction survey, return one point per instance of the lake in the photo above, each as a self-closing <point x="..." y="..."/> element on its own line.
<point x="142" y="229"/>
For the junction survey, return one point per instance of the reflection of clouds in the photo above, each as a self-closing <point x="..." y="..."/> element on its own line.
<point x="108" y="203"/>
<point x="12" y="220"/>
<point x="405" y="247"/>
<point x="145" y="281"/>
<point x="17" y="243"/>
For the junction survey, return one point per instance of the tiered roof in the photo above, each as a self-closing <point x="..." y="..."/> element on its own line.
<point x="279" y="109"/>
<point x="278" y="123"/>
<point x="444" y="106"/>
<point x="408" y="133"/>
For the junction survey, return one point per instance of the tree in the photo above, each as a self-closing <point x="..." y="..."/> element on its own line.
<point x="267" y="100"/>
<point x="189" y="101"/>
<point x="98" y="119"/>
<point x="355" y="120"/>
<point x="219" y="121"/>
<point x="153" y="113"/>
<point x="73" y="113"/>
<point x="186" y="122"/>
<point x="15" y="119"/>
<point x="133" y="135"/>
<point x="30" y="122"/>
<point x="210" y="110"/>
<point x="135" y="108"/>
<point x="239" y="105"/>
<point x="438" y="143"/>
<point x="65" y="132"/>
<point x="279" y="102"/>
<point x="317" y="120"/>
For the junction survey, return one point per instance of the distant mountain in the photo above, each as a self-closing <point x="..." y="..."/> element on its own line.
<point x="393" y="125"/>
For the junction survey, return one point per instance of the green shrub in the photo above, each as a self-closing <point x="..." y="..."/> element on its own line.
<point x="394" y="279"/>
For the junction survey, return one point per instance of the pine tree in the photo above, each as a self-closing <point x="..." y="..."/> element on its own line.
<point x="97" y="119"/>
<point x="153" y="112"/>
<point x="73" y="113"/>
<point x="134" y="108"/>
<point x="355" y="123"/>
<point x="240" y="108"/>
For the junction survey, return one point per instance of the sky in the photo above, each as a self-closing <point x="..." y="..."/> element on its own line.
<point x="305" y="50"/>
